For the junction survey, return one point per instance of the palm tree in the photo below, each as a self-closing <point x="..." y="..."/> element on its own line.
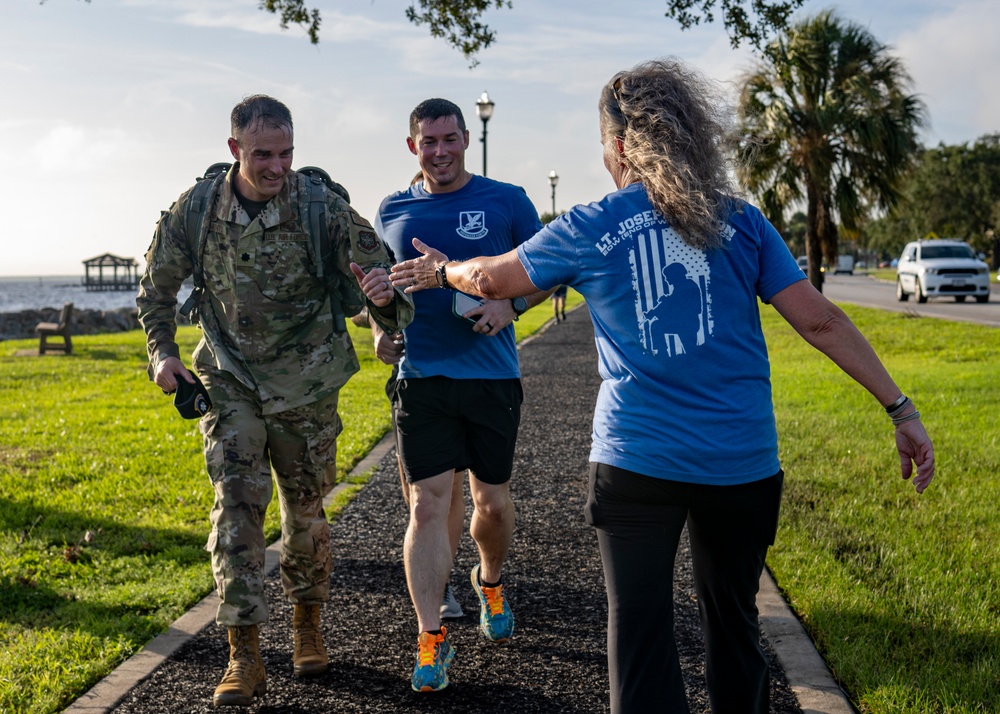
<point x="825" y="117"/>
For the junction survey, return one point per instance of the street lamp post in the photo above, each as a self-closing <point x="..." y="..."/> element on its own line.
<point x="553" y="180"/>
<point x="484" y="110"/>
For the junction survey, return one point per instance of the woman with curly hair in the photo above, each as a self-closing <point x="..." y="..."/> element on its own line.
<point x="672" y="266"/>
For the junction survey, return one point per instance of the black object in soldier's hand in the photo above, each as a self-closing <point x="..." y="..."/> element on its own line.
<point x="191" y="400"/>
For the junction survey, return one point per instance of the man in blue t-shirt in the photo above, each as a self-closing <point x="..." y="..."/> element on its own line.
<point x="457" y="397"/>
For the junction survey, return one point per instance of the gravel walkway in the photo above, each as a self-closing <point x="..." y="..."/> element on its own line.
<point x="556" y="659"/>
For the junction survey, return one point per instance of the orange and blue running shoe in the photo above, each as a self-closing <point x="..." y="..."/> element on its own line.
<point x="434" y="654"/>
<point x="495" y="617"/>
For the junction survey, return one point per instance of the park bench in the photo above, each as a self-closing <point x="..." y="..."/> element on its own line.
<point x="63" y="328"/>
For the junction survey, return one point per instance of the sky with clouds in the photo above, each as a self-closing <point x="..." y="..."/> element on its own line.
<point x="109" y="109"/>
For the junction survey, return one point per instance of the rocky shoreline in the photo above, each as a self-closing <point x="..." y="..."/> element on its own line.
<point x="21" y="325"/>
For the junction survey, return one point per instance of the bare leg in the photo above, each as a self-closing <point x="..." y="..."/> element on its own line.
<point x="456" y="516"/>
<point x="492" y="526"/>
<point x="427" y="547"/>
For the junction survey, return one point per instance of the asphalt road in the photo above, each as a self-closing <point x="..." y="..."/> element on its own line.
<point x="868" y="292"/>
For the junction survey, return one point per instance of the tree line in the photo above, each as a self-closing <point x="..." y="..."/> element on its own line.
<point x="951" y="192"/>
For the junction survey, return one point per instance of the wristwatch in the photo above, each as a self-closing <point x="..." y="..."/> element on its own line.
<point x="520" y="306"/>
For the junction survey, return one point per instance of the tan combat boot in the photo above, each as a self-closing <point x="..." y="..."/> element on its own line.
<point x="309" y="655"/>
<point x="244" y="678"/>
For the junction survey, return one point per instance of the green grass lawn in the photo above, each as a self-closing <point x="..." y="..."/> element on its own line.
<point x="899" y="591"/>
<point x="883" y="273"/>
<point x="104" y="505"/>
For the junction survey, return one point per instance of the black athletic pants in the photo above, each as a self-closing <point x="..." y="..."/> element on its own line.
<point x="639" y="521"/>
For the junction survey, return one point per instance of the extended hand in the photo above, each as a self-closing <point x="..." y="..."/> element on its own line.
<point x="418" y="273"/>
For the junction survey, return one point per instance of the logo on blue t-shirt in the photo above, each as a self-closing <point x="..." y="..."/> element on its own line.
<point x="472" y="225"/>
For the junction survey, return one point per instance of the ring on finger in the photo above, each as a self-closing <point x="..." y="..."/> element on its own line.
<point x="489" y="327"/>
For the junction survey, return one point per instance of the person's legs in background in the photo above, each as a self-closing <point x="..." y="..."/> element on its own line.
<point x="450" y="607"/>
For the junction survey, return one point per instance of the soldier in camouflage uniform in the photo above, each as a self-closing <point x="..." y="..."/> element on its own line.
<point x="273" y="361"/>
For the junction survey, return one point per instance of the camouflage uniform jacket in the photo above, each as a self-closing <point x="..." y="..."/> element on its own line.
<point x="265" y="315"/>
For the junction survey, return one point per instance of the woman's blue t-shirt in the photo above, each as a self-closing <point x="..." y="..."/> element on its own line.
<point x="686" y="392"/>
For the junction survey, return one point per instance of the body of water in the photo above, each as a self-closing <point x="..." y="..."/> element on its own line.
<point x="35" y="293"/>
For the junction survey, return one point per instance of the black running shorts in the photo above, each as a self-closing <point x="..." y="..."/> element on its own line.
<point x="443" y="424"/>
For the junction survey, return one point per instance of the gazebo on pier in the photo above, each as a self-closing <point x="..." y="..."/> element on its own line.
<point x="127" y="280"/>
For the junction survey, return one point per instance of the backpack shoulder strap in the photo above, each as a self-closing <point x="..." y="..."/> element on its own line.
<point x="315" y="210"/>
<point x="317" y="179"/>
<point x="202" y="197"/>
<point x="318" y="186"/>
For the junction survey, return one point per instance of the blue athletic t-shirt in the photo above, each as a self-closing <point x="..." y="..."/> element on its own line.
<point x="484" y="217"/>
<point x="686" y="391"/>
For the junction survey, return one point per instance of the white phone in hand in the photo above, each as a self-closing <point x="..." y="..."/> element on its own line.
<point x="462" y="303"/>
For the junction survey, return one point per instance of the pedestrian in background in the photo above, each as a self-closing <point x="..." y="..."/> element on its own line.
<point x="559" y="303"/>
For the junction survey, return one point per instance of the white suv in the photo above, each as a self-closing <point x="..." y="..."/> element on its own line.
<point x="941" y="268"/>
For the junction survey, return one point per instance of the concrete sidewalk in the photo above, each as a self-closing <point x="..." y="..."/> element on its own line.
<point x="553" y="573"/>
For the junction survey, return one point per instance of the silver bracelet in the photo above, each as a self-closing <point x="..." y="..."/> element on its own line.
<point x="900" y="401"/>
<point x="897" y="407"/>
<point x="903" y="419"/>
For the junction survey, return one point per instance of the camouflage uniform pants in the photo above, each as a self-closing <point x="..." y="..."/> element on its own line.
<point x="242" y="446"/>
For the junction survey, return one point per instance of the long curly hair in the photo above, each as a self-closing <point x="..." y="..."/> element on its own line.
<point x="674" y="128"/>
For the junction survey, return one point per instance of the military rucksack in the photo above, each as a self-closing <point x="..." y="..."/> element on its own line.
<point x="312" y="213"/>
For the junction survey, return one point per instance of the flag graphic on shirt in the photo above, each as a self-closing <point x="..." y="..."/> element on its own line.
<point x="671" y="282"/>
